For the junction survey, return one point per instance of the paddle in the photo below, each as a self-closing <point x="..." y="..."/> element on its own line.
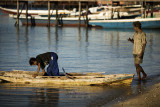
<point x="67" y="74"/>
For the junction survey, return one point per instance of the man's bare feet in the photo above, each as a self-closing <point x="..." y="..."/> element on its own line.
<point x="139" y="79"/>
<point x="144" y="77"/>
<point x="139" y="76"/>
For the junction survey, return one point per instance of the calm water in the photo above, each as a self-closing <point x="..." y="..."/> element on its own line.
<point x="79" y="50"/>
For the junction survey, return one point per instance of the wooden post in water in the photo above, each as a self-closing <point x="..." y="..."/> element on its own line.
<point x="56" y="4"/>
<point x="141" y="9"/>
<point x="144" y="9"/>
<point x="118" y="9"/>
<point x="26" y="12"/>
<point x="152" y="10"/>
<point x="79" y="13"/>
<point x="87" y="14"/>
<point x="48" y="13"/>
<point x="145" y="5"/>
<point x="17" y="12"/>
<point x="112" y="11"/>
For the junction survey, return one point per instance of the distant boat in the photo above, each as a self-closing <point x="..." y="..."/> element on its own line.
<point x="37" y="20"/>
<point x="126" y="23"/>
<point x="81" y="79"/>
<point x="71" y="18"/>
<point x="103" y="11"/>
<point x="33" y="12"/>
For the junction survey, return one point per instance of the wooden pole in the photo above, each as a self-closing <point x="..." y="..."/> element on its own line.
<point x="79" y="13"/>
<point x="118" y="16"/>
<point x="56" y="13"/>
<point x="141" y="9"/>
<point x="17" y="12"/>
<point x="144" y="9"/>
<point x="145" y="14"/>
<point x="112" y="11"/>
<point x="151" y="10"/>
<point x="87" y="14"/>
<point x="48" y="13"/>
<point x="26" y="13"/>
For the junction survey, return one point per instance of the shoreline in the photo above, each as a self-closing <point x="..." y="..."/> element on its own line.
<point x="148" y="98"/>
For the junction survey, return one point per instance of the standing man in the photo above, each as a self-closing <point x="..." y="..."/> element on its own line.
<point x="44" y="59"/>
<point x="139" y="42"/>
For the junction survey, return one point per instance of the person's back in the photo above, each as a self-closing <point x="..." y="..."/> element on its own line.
<point x="48" y="58"/>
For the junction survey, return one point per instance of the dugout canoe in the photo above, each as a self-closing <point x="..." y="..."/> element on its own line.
<point x="71" y="78"/>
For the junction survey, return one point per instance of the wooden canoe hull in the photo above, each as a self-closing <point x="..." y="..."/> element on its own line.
<point x="112" y="79"/>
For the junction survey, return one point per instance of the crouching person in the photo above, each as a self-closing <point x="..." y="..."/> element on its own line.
<point x="41" y="60"/>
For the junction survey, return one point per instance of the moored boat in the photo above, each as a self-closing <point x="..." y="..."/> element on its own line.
<point x="33" y="12"/>
<point x="70" y="18"/>
<point x="126" y="23"/>
<point x="70" y="79"/>
<point x="62" y="21"/>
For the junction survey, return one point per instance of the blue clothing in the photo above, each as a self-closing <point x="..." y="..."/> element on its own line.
<point x="53" y="69"/>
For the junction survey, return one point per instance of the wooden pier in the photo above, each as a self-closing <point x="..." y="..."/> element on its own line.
<point x="76" y="2"/>
<point x="55" y="2"/>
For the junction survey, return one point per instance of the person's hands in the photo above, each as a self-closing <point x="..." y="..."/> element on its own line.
<point x="34" y="75"/>
<point x="43" y="73"/>
<point x="129" y="39"/>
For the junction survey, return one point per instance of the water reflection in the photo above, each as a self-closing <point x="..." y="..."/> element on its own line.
<point x="86" y="34"/>
<point x="26" y="40"/>
<point x="60" y="96"/>
<point x="17" y="39"/>
<point x="150" y="45"/>
<point x="79" y="34"/>
<point x="139" y="87"/>
<point x="45" y="97"/>
<point x="57" y="33"/>
<point x="49" y="38"/>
